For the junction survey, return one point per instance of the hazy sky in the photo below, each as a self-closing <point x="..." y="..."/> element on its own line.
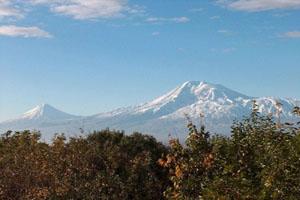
<point x="86" y="57"/>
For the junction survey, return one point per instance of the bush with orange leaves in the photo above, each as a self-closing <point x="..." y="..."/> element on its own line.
<point x="261" y="160"/>
<point x="189" y="166"/>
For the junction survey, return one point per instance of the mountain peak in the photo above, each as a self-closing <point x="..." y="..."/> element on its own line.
<point x="37" y="111"/>
<point x="166" y="114"/>
<point x="195" y="83"/>
<point x="45" y="111"/>
<point x="190" y="94"/>
<point x="204" y="90"/>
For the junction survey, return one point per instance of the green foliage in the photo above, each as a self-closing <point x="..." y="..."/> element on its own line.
<point x="261" y="160"/>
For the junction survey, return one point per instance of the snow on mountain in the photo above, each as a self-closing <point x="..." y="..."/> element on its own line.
<point x="166" y="114"/>
<point x="42" y="113"/>
<point x="187" y="95"/>
<point x="44" y="118"/>
<point x="194" y="95"/>
<point x="46" y="112"/>
<point x="163" y="116"/>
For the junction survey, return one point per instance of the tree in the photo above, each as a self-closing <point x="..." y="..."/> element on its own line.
<point x="259" y="161"/>
<point x="296" y="111"/>
<point x="104" y="165"/>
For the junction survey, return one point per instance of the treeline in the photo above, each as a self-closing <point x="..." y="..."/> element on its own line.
<point x="261" y="160"/>
<point x="105" y="165"/>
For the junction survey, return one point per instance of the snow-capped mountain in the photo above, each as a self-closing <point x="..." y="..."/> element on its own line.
<point x="161" y="117"/>
<point x="43" y="117"/>
<point x="45" y="112"/>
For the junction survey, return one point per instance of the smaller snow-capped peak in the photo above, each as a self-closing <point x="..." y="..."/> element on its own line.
<point x="36" y="111"/>
<point x="45" y="111"/>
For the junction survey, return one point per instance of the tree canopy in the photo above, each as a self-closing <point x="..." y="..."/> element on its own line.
<point x="260" y="160"/>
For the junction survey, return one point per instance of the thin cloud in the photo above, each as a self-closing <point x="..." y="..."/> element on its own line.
<point x="156" y="33"/>
<point x="8" y="10"/>
<point x="215" y="17"/>
<point x="223" y="31"/>
<point x="226" y="32"/>
<point x="228" y="50"/>
<point x="136" y="10"/>
<point x="223" y="50"/>
<point x="26" y="32"/>
<point x="163" y="19"/>
<point x="292" y="34"/>
<point x="77" y="9"/>
<point x="83" y="9"/>
<point x="260" y="5"/>
<point x="182" y="50"/>
<point x="281" y="15"/>
<point x="197" y="10"/>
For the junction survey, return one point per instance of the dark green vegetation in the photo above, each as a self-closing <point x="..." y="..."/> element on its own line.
<point x="105" y="165"/>
<point x="261" y="160"/>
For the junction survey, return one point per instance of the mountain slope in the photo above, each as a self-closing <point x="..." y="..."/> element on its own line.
<point x="163" y="116"/>
<point x="166" y="114"/>
<point x="43" y="117"/>
<point x="45" y="112"/>
<point x="188" y="94"/>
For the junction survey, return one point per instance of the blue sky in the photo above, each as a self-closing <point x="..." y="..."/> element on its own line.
<point x="86" y="57"/>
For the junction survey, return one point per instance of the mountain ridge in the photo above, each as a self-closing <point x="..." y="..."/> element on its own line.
<point x="43" y="111"/>
<point x="158" y="117"/>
